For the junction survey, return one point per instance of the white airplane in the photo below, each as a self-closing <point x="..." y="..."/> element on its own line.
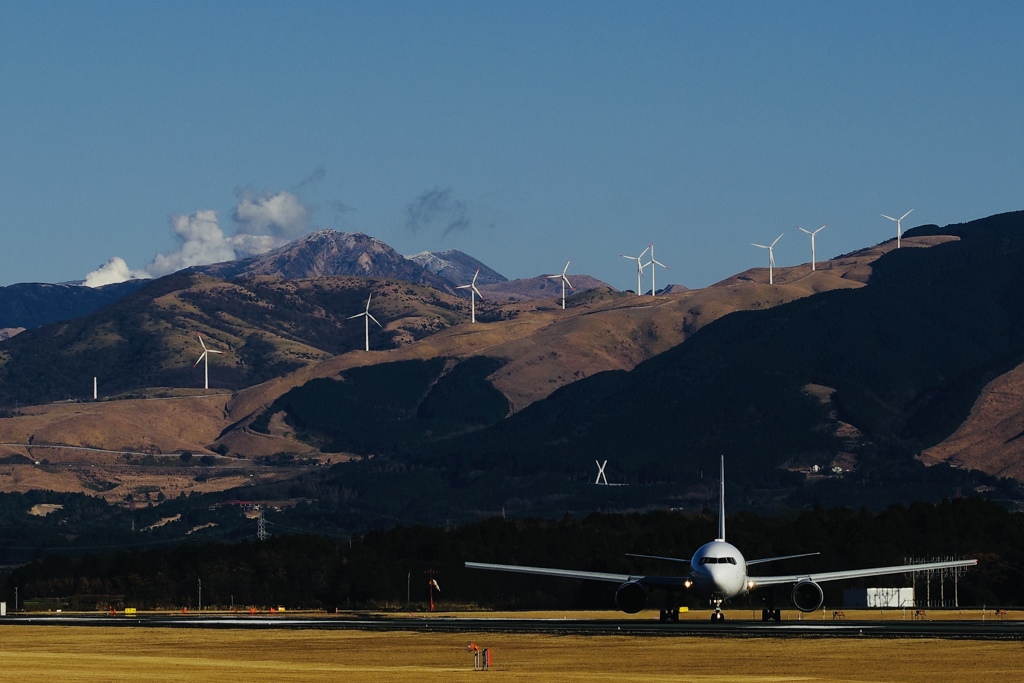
<point x="718" y="573"/>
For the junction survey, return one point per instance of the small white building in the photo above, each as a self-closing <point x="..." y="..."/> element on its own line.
<point x="867" y="598"/>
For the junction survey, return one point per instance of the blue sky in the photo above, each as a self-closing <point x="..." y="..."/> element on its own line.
<point x="523" y="133"/>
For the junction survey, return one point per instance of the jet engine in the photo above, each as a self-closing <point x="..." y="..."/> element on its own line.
<point x="631" y="597"/>
<point x="807" y="596"/>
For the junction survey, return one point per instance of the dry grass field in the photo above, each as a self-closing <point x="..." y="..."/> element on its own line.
<point x="31" y="654"/>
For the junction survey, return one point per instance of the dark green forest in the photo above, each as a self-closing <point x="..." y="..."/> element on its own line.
<point x="387" y="568"/>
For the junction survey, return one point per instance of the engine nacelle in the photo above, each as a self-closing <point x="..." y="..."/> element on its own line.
<point x="631" y="597"/>
<point x="807" y="596"/>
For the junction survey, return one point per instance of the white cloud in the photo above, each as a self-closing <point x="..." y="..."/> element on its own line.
<point x="113" y="271"/>
<point x="280" y="215"/>
<point x="201" y="242"/>
<point x="262" y="223"/>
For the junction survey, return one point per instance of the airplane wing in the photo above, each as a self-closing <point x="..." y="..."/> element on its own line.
<point x="664" y="582"/>
<point x="661" y="557"/>
<point x="547" y="571"/>
<point x="779" y="558"/>
<point x="821" y="577"/>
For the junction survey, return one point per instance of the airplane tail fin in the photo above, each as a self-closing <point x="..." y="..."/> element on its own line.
<point x="721" y="503"/>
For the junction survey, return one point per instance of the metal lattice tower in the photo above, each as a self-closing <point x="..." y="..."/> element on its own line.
<point x="261" y="525"/>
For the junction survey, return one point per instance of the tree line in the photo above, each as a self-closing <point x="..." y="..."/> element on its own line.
<point x="389" y="569"/>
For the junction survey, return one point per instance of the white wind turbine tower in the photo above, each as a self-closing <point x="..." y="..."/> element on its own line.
<point x="473" y="294"/>
<point x="639" y="267"/>
<point x="369" y="317"/>
<point x="898" y="226"/>
<point x="812" y="234"/>
<point x="565" y="281"/>
<point x="654" y="262"/>
<point x="771" y="257"/>
<point x="204" y="357"/>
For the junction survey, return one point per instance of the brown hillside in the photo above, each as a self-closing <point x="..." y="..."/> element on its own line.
<point x="992" y="437"/>
<point x="544" y="348"/>
<point x="116" y="448"/>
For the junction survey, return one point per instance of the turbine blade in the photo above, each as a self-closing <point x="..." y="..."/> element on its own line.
<point x="357" y="315"/>
<point x="777" y="239"/>
<point x="200" y="359"/>
<point x="568" y="283"/>
<point x="374" y="319"/>
<point x="807" y="231"/>
<point x="759" y="245"/>
<point x="905" y="215"/>
<point x="889" y="217"/>
<point x="201" y="341"/>
<point x="478" y="293"/>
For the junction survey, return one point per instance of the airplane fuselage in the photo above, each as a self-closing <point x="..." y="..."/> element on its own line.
<point x="718" y="572"/>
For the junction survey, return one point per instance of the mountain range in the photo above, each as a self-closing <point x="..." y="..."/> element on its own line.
<point x="325" y="253"/>
<point x="874" y="364"/>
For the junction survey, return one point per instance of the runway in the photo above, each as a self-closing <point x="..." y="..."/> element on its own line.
<point x="808" y="628"/>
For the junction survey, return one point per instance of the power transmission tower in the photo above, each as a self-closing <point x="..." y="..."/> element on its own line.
<point x="261" y="525"/>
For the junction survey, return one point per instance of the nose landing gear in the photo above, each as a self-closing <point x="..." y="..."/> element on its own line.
<point x="717" y="615"/>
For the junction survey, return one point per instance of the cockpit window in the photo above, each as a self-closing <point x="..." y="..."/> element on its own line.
<point x="717" y="560"/>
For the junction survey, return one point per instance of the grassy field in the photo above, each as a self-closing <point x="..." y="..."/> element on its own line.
<point x="30" y="654"/>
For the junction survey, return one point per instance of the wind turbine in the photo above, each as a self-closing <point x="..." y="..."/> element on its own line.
<point x="898" y="226"/>
<point x="639" y="267"/>
<point x="205" y="358"/>
<point x="565" y="281"/>
<point x="771" y="257"/>
<point x="474" y="293"/>
<point x="369" y="317"/>
<point x="812" y="234"/>
<point x="654" y="262"/>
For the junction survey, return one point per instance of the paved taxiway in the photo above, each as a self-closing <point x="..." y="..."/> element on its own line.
<point x="736" y="628"/>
